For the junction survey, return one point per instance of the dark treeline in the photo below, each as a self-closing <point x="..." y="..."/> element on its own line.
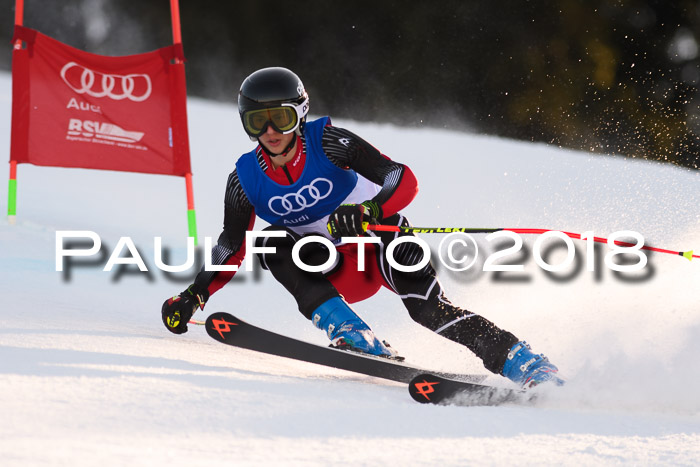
<point x="614" y="77"/>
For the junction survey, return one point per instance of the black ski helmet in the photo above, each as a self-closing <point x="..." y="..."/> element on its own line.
<point x="273" y="87"/>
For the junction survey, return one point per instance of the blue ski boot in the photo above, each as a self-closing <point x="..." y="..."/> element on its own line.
<point x="346" y="330"/>
<point x="528" y="369"/>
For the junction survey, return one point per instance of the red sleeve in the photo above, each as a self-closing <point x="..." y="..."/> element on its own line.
<point x="221" y="278"/>
<point x="403" y="193"/>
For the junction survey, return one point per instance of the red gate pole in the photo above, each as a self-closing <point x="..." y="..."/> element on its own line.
<point x="12" y="183"/>
<point x="177" y="39"/>
<point x="175" y="19"/>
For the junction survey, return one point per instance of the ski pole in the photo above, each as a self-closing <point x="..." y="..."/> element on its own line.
<point x="418" y="230"/>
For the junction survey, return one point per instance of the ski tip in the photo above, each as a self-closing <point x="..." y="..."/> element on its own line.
<point x="432" y="389"/>
<point x="197" y="322"/>
<point x="424" y="387"/>
<point x="221" y="325"/>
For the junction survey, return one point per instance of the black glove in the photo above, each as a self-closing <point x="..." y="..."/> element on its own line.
<point x="351" y="220"/>
<point x="178" y="310"/>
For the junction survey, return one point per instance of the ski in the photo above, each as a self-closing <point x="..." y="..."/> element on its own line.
<point x="429" y="388"/>
<point x="230" y="330"/>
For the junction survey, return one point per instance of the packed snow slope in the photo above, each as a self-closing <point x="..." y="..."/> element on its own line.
<point x="90" y="376"/>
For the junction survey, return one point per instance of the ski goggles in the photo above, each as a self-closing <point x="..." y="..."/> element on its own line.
<point x="283" y="119"/>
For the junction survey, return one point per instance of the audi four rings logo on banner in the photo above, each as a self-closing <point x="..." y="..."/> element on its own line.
<point x="135" y="87"/>
<point x="306" y="197"/>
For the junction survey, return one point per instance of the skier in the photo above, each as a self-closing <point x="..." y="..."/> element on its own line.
<point x="312" y="178"/>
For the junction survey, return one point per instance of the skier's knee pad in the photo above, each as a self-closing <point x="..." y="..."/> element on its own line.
<point x="409" y="254"/>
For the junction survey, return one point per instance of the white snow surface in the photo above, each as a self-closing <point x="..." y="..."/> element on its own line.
<point x="90" y="376"/>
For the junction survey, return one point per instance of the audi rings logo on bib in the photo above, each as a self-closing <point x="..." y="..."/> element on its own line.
<point x="82" y="80"/>
<point x="306" y="197"/>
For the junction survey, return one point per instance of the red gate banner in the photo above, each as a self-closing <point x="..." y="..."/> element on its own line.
<point x="71" y="108"/>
